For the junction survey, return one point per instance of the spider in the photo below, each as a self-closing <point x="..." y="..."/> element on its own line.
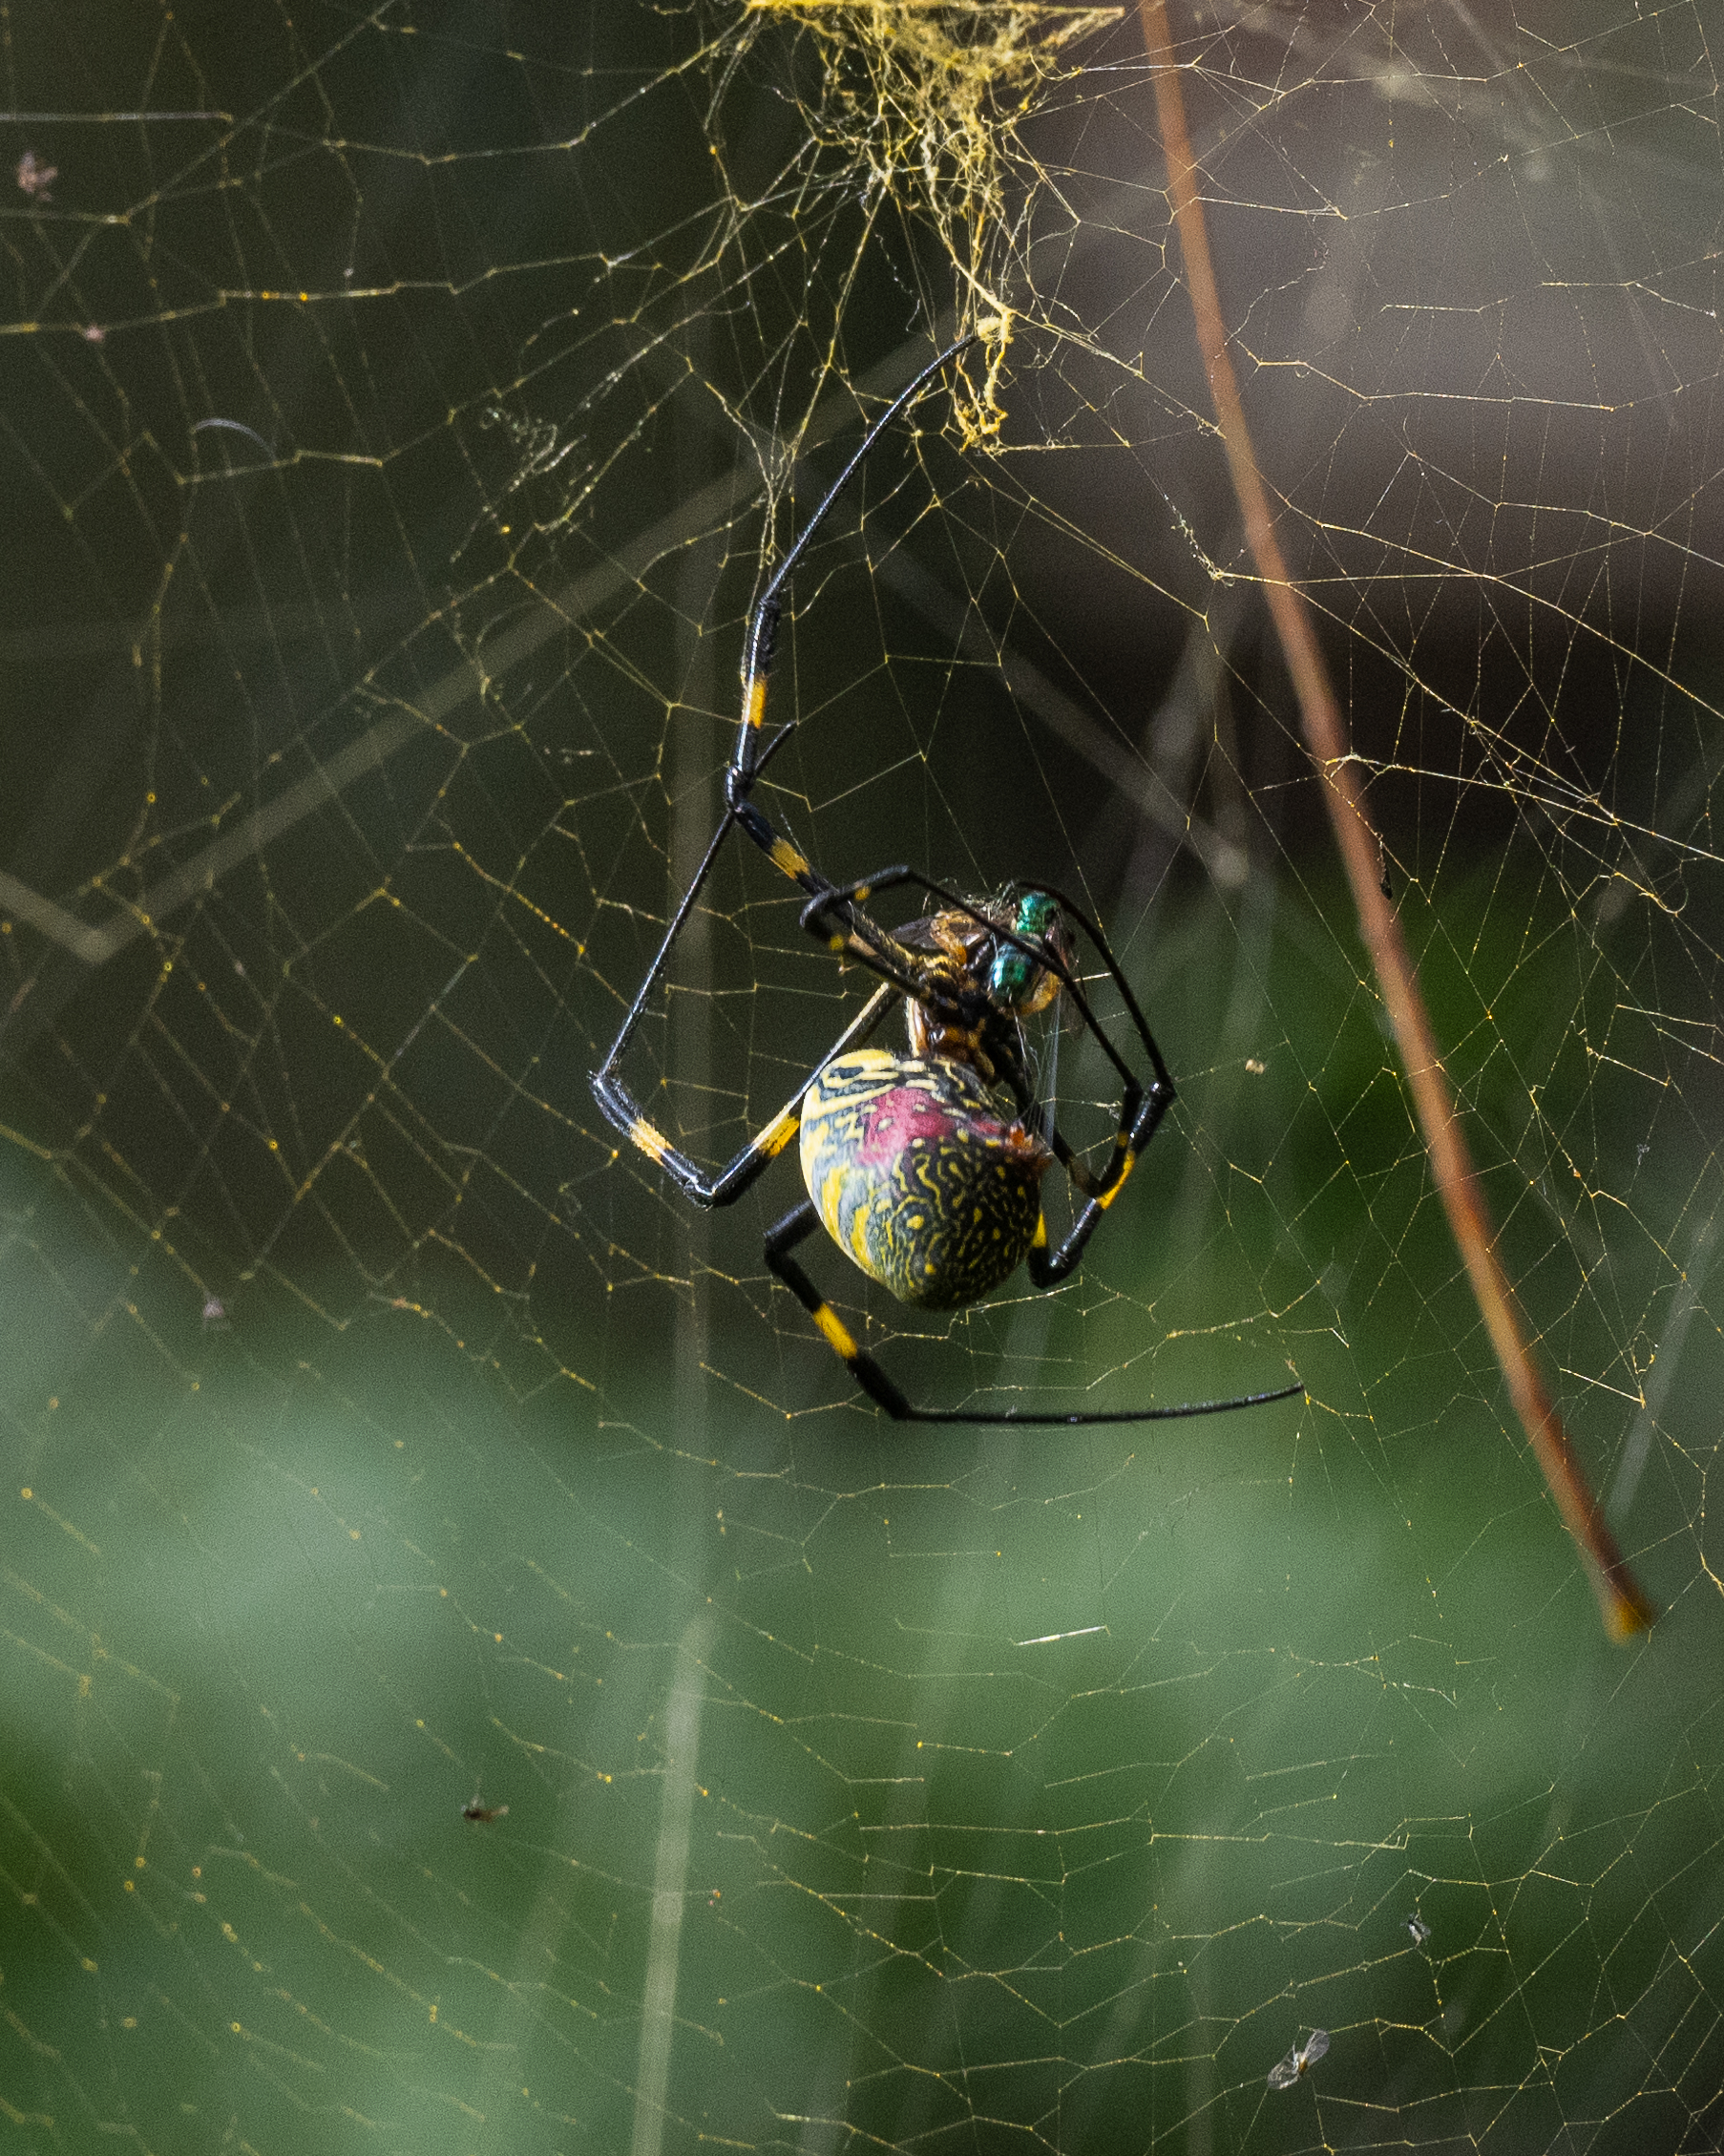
<point x="925" y="1168"/>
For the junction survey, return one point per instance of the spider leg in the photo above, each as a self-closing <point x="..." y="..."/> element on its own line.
<point x="1047" y="1269"/>
<point x="624" y="1111"/>
<point x="749" y="758"/>
<point x="798" y="1225"/>
<point x="833" y="915"/>
<point x="762" y="630"/>
<point x="836" y="917"/>
<point x="748" y="761"/>
<point x="794" y="1228"/>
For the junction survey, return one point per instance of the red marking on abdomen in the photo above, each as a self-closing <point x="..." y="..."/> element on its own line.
<point x="896" y="1119"/>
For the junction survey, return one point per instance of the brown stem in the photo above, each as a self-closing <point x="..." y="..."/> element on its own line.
<point x="1626" y="1611"/>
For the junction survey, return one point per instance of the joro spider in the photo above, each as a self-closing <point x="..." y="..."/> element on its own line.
<point x="924" y="1168"/>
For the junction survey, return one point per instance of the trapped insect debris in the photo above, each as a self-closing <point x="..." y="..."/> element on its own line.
<point x="1299" y="2061"/>
<point x="34" y="177"/>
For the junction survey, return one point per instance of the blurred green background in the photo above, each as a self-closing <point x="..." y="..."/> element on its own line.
<point x="382" y="1447"/>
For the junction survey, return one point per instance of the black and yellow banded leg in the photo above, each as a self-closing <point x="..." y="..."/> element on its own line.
<point x="784" y="855"/>
<point x="794" y="1228"/>
<point x="626" y="1114"/>
<point x="797" y="1226"/>
<point x="1128" y="1141"/>
<point x="754" y="747"/>
<point x="835" y="917"/>
<point x="849" y="932"/>
<point x="835" y="914"/>
<point x="1048" y="1268"/>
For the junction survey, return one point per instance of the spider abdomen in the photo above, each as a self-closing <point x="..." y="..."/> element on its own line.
<point x="919" y="1174"/>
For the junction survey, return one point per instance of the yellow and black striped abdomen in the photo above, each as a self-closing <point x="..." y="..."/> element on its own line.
<point x="920" y="1175"/>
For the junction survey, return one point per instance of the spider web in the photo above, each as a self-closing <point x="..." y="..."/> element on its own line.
<point x="404" y="409"/>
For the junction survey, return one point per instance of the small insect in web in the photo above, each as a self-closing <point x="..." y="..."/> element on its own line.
<point x="1418" y="1929"/>
<point x="1299" y="2061"/>
<point x="34" y="177"/>
<point x="924" y="1168"/>
<point x="477" y="1814"/>
<point x="216" y="1318"/>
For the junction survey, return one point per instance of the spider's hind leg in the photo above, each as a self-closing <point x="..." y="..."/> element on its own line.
<point x="794" y="1228"/>
<point x="798" y="1225"/>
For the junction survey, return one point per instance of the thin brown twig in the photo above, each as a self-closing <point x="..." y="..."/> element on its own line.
<point x="1626" y="1611"/>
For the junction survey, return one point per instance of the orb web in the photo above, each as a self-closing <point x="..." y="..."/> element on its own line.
<point x="479" y="1679"/>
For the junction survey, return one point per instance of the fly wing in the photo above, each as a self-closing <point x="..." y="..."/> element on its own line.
<point x="940" y="933"/>
<point x="1048" y="1088"/>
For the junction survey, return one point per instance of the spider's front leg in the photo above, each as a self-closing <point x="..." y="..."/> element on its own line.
<point x="837" y="917"/>
<point x="834" y="913"/>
